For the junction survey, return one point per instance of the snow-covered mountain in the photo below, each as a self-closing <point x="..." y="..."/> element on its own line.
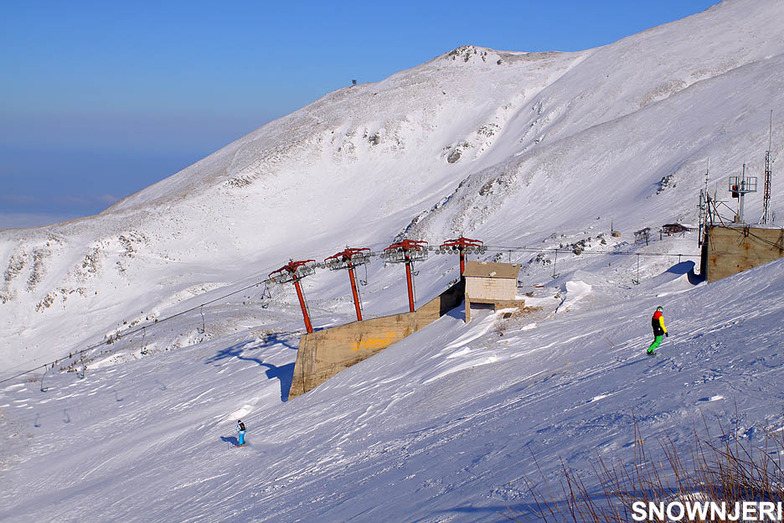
<point x="534" y="150"/>
<point x="507" y="147"/>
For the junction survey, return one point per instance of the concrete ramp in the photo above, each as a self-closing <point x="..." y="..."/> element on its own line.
<point x="324" y="353"/>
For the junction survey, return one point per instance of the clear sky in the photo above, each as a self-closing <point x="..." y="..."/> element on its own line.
<point x="100" y="99"/>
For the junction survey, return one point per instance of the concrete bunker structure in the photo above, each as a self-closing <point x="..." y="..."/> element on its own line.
<point x="728" y="250"/>
<point x="492" y="284"/>
<point x="324" y="353"/>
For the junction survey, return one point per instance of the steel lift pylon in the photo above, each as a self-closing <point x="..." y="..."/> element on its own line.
<point x="350" y="259"/>
<point x="294" y="271"/>
<point x="464" y="246"/>
<point x="407" y="251"/>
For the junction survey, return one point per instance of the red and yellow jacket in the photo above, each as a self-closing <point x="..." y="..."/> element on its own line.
<point x="657" y="322"/>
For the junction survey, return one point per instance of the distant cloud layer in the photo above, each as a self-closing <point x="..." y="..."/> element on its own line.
<point x="63" y="200"/>
<point x="48" y="210"/>
<point x="80" y="182"/>
<point x="23" y="220"/>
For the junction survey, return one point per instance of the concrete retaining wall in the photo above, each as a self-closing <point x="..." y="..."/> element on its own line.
<point x="730" y="250"/>
<point x="324" y="353"/>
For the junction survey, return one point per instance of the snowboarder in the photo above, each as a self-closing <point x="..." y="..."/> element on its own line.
<point x="240" y="433"/>
<point x="659" y="330"/>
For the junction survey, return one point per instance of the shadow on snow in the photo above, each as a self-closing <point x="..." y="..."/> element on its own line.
<point x="283" y="373"/>
<point x="231" y="440"/>
<point x="687" y="268"/>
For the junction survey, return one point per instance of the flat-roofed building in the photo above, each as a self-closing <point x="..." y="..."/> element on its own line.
<point x="491" y="284"/>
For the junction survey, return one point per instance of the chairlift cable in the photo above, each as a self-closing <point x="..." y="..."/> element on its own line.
<point x="420" y="247"/>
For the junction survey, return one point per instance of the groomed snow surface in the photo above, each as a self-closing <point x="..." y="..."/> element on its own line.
<point x="443" y="426"/>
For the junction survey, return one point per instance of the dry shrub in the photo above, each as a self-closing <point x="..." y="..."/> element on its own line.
<point x="730" y="472"/>
<point x="514" y="318"/>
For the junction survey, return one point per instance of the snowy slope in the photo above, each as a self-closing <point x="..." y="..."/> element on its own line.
<point x="443" y="426"/>
<point x="538" y="150"/>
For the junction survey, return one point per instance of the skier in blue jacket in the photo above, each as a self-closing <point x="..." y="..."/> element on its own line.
<point x="240" y="432"/>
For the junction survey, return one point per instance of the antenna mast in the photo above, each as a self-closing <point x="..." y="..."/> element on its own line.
<point x="740" y="186"/>
<point x="768" y="175"/>
<point x="704" y="202"/>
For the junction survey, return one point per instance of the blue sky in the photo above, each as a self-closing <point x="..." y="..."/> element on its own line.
<point x="101" y="99"/>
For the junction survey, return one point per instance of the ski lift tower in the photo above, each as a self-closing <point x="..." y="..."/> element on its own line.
<point x="294" y="271"/>
<point x="463" y="246"/>
<point x="407" y="251"/>
<point x="350" y="259"/>
<point x="740" y="186"/>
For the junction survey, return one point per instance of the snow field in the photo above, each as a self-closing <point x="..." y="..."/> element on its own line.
<point x="446" y="422"/>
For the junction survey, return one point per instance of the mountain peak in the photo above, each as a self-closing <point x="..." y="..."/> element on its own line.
<point x="473" y="54"/>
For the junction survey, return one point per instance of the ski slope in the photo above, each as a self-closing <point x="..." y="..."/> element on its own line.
<point x="444" y="426"/>
<point x="529" y="152"/>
